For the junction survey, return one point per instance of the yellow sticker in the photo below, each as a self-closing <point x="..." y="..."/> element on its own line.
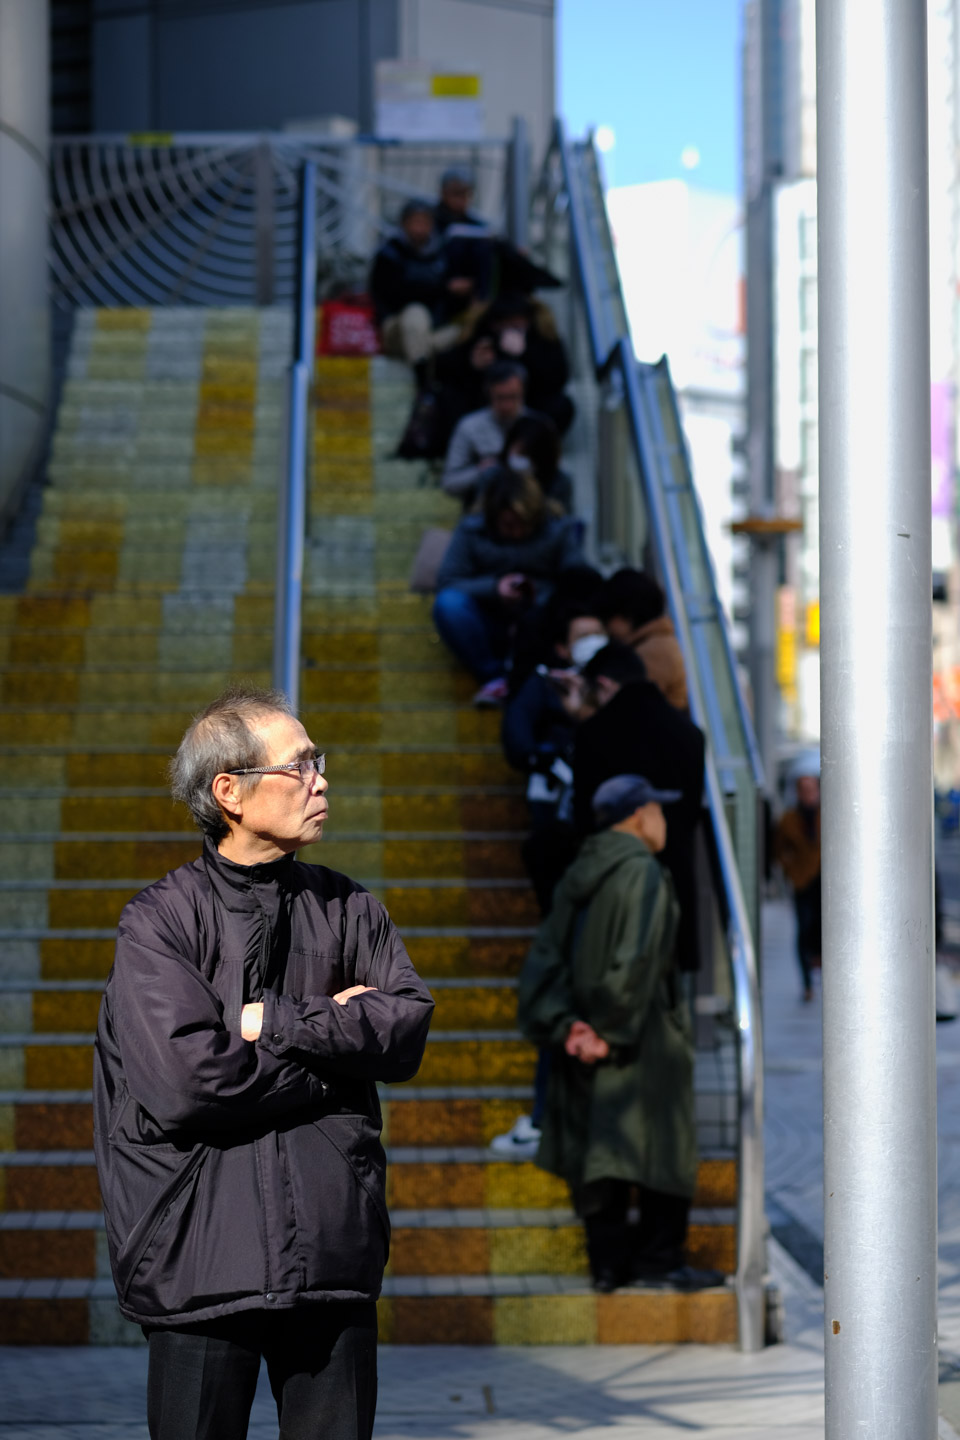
<point x="456" y="87"/>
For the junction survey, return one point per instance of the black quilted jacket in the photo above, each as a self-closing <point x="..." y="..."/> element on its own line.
<point x="239" y="1175"/>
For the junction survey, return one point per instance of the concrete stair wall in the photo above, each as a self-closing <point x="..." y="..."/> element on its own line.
<point x="150" y="586"/>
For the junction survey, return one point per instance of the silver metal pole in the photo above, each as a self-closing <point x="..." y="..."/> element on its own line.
<point x="879" y="1050"/>
<point x="292" y="509"/>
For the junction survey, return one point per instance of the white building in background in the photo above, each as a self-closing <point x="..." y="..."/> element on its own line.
<point x="780" y="70"/>
<point x="680" y="256"/>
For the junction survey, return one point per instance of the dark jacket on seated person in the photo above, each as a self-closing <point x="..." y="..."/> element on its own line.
<point x="543" y="357"/>
<point x="477" y="559"/>
<point x="402" y="275"/>
<point x="638" y="732"/>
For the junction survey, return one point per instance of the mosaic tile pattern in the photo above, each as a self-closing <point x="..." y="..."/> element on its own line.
<point x="151" y="584"/>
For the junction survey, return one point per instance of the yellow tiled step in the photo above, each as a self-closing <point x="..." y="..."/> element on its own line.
<point x="193" y="683"/>
<point x="637" y="1317"/>
<point x="109" y="856"/>
<point x="74" y="769"/>
<point x="75" y="1011"/>
<point x="529" y="1249"/>
<point x="454" y="957"/>
<point x="485" y="1249"/>
<point x="479" y="1182"/>
<point x="389" y="728"/>
<point x="417" y="905"/>
<point x="462" y="1062"/>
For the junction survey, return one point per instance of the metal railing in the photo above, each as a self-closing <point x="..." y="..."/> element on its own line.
<point x="212" y="219"/>
<point x="254" y="219"/>
<point x="646" y="512"/>
<point x="292" y="506"/>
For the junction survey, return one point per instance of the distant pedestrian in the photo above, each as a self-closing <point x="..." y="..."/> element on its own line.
<point x="796" y="845"/>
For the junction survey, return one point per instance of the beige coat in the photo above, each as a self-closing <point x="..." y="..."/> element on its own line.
<point x="657" y="645"/>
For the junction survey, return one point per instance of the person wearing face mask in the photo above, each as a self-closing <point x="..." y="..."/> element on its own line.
<point x="633" y="608"/>
<point x="517" y="329"/>
<point x="478" y="439"/>
<point x="533" y="443"/>
<point x="499" y="564"/>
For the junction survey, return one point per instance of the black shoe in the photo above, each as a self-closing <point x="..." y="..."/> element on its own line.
<point x="686" y="1277"/>
<point x="605" y="1281"/>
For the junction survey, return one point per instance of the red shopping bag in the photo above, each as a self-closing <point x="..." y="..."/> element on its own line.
<point x="347" y="327"/>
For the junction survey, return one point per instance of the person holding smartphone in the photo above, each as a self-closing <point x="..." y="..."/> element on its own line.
<point x="500" y="563"/>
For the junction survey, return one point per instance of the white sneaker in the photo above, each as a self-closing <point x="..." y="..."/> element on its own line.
<point x="523" y="1139"/>
<point x="492" y="695"/>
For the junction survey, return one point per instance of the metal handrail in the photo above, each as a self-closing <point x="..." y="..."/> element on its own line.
<point x="614" y="353"/>
<point x="743" y="960"/>
<point x="746" y="725"/>
<point x="292" y="508"/>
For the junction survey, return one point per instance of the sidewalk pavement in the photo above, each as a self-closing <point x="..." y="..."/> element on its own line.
<point x="658" y="1392"/>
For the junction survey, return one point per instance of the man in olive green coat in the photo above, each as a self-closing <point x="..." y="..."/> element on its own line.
<point x="600" y="988"/>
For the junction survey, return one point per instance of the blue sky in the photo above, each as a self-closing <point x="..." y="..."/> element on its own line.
<point x="665" y="76"/>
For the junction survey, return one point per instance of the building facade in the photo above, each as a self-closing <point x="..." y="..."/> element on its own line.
<point x="781" y="196"/>
<point x="183" y="65"/>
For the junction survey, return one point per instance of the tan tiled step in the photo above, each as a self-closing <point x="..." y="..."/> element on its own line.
<point x="528" y="1242"/>
<point x="46" y="1008"/>
<point x="67" y="1245"/>
<point x="92" y="855"/>
<point x="418" y="1178"/>
<point x="178" y="684"/>
<point x="393" y="727"/>
<point x="38" y="905"/>
<point x="469" y="1057"/>
<point x="353" y="812"/>
<point x="459" y="956"/>
<point x="74" y="767"/>
<point x="463" y="1310"/>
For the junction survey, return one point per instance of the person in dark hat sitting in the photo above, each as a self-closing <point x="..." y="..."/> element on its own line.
<point x="600" y="988"/>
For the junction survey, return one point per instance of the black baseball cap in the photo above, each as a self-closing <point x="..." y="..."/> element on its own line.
<point x="620" y="796"/>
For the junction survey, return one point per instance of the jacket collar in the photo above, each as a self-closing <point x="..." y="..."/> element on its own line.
<point x="234" y="884"/>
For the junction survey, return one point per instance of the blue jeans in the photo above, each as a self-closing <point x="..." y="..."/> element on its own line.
<point x="475" y="633"/>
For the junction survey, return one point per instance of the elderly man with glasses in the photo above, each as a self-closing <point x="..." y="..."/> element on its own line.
<point x="253" y="1005"/>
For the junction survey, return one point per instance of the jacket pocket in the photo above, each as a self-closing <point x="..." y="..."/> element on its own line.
<point x="337" y="1171"/>
<point x="166" y="1176"/>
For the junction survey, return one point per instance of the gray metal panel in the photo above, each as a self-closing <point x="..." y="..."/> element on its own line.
<point x="258" y="68"/>
<point x="122" y="78"/>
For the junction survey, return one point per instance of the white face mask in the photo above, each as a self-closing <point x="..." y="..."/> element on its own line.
<point x="513" y="341"/>
<point x="585" y="647"/>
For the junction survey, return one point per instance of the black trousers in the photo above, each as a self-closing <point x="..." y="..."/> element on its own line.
<point x="321" y="1360"/>
<point x="809" y="929"/>
<point x="656" y="1244"/>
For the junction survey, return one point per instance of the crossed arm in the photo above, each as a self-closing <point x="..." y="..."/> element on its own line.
<point x="188" y="1068"/>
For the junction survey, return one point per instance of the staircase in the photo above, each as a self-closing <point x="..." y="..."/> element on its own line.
<point x="151" y="584"/>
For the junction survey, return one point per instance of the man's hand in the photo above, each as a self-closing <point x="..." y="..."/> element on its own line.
<point x="584" y="1044"/>
<point x="346" y="995"/>
<point x="460" y="285"/>
<point x="572" y="689"/>
<point x="251" y="1021"/>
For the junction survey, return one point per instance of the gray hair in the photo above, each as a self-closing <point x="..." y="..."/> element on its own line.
<point x="220" y="739"/>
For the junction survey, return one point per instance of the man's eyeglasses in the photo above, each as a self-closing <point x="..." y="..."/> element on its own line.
<point x="306" y="769"/>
